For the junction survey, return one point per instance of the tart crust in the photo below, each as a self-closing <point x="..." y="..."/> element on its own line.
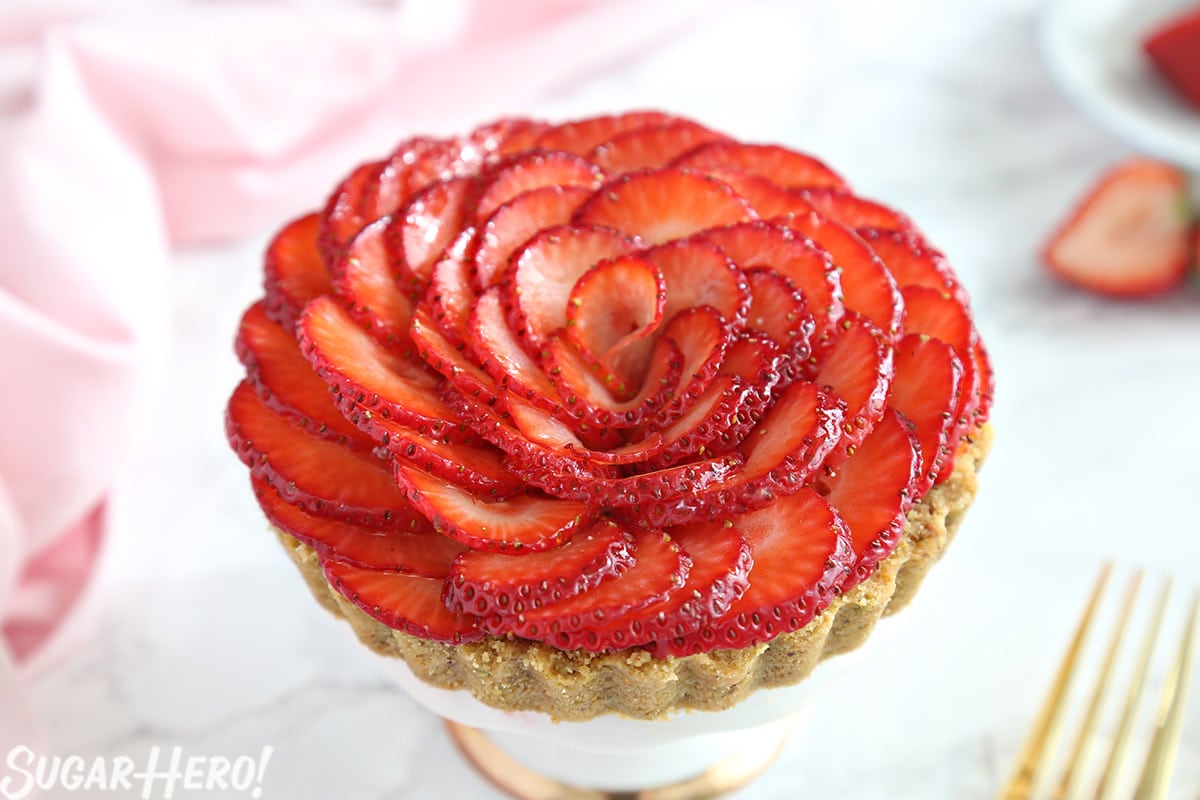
<point x="518" y="675"/>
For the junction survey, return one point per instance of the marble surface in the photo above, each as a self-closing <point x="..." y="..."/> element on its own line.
<point x="197" y="631"/>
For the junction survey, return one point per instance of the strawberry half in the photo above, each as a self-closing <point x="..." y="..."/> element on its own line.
<point x="1129" y="236"/>
<point x="414" y="548"/>
<point x="486" y="583"/>
<point x="1174" y="49"/>
<point x="293" y="271"/>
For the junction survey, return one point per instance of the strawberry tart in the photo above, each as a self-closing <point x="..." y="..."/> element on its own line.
<point x="616" y="416"/>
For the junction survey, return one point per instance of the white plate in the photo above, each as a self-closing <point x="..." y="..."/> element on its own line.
<point x="1093" y="48"/>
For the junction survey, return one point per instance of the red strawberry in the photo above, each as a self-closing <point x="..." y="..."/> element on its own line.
<point x="913" y="262"/>
<point x="344" y="214"/>
<point x="873" y="492"/>
<point x="926" y="392"/>
<point x="426" y="224"/>
<point x="698" y="273"/>
<point x="714" y="425"/>
<point x="515" y="222"/>
<point x="286" y="383"/>
<point x="658" y="205"/>
<point x="412" y="166"/>
<point x="1129" y="236"/>
<point x="853" y="211"/>
<point x="414" y="548"/>
<point x="1174" y="49"/>
<point x="582" y="136"/>
<point x="450" y="360"/>
<point x="649" y="146"/>
<point x="785" y="167"/>
<point x="485" y="583"/>
<point x="867" y="285"/>
<point x="408" y="603"/>
<point x="535" y="169"/>
<point x="525" y="523"/>
<point x="779" y="311"/>
<point x="366" y="378"/>
<point x="596" y="620"/>
<point x="294" y="271"/>
<point x="859" y="368"/>
<point x="365" y="278"/>
<point x="449" y="296"/>
<point x="315" y="474"/>
<point x="801" y="551"/>
<point x="507" y="136"/>
<point x="506" y="361"/>
<point x="767" y="198"/>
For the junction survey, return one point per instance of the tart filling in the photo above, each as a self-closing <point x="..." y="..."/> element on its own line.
<point x="543" y="400"/>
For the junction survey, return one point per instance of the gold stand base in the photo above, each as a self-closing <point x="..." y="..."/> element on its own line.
<point x="520" y="782"/>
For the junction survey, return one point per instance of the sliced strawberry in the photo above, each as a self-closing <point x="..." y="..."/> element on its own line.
<point x="698" y="273"/>
<point x="525" y="523"/>
<point x="713" y="426"/>
<point x="1129" y="236"/>
<point x="755" y="360"/>
<point x="767" y="198"/>
<point x="649" y="146"/>
<point x="854" y="211"/>
<point x="475" y="466"/>
<point x="779" y="311"/>
<point x="449" y="359"/>
<point x="426" y="224"/>
<point x="1173" y="47"/>
<point x="612" y="311"/>
<point x="286" y="383"/>
<point x="658" y="205"/>
<point x="515" y="222"/>
<point x="760" y="244"/>
<point x="365" y="278"/>
<point x="867" y="285"/>
<point x="925" y="391"/>
<point x="783" y="166"/>
<point x="343" y="216"/>
<point x="699" y="478"/>
<point x="315" y="474"/>
<point x="985" y="383"/>
<point x="503" y="357"/>
<point x="913" y="262"/>
<point x="531" y="170"/>
<point x="294" y="272"/>
<point x="415" y="548"/>
<point x="543" y="272"/>
<point x="595" y="620"/>
<point x="581" y="136"/>
<point x="408" y="603"/>
<point x="801" y="554"/>
<point x="486" y="583"/>
<point x="364" y="377"/>
<point x="507" y="136"/>
<point x="450" y="297"/>
<point x="859" y="367"/>
<point x="873" y="492"/>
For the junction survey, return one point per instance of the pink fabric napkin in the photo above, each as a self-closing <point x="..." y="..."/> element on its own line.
<point x="131" y="128"/>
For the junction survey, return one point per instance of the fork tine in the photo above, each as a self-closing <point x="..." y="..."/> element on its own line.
<point x="1161" y="759"/>
<point x="1069" y="785"/>
<point x="1109" y="780"/>
<point x="1043" y="737"/>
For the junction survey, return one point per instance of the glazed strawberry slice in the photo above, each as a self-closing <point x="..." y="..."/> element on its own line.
<point x="612" y="311"/>
<point x="658" y="205"/>
<point x="867" y="285"/>
<point x="767" y="198"/>
<point x="426" y="225"/>
<point x="698" y="273"/>
<point x="873" y="491"/>
<point x="801" y="554"/>
<point x="913" y="262"/>
<point x="760" y="244"/>
<point x="408" y="603"/>
<point x="581" y="136"/>
<point x="543" y="272"/>
<point x="785" y="167"/>
<point x="364" y="278"/>
<point x="315" y="474"/>
<point x="859" y="368"/>
<point x="507" y="136"/>
<point x="413" y="165"/>
<point x="532" y="170"/>
<point x="364" y="377"/>
<point x="1129" y="236"/>
<point x="779" y="311"/>
<point x="594" y="620"/>
<point x="854" y="211"/>
<point x="502" y="356"/>
<point x="525" y="523"/>
<point x="713" y="426"/>
<point x="985" y="384"/>
<point x="344" y="214"/>
<point x="518" y="220"/>
<point x="285" y="382"/>
<point x="1174" y="49"/>
<point x="926" y="392"/>
<point x="486" y="583"/>
<point x="450" y="360"/>
<point x="650" y="146"/>
<point x="413" y="548"/>
<point x="449" y="297"/>
<point x="293" y="271"/>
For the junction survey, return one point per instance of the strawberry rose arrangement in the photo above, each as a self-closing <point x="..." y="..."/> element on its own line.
<point x="618" y="397"/>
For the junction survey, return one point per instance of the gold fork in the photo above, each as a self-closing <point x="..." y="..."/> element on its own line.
<point x="1038" y="753"/>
